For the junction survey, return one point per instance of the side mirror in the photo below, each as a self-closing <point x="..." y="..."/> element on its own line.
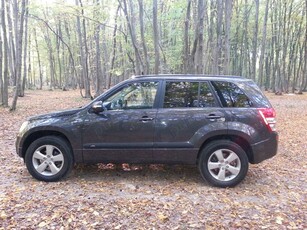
<point x="97" y="107"/>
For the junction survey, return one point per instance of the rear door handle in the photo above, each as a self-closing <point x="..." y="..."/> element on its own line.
<point x="212" y="116"/>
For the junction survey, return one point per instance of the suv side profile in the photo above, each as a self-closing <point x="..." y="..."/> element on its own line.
<point x="219" y="123"/>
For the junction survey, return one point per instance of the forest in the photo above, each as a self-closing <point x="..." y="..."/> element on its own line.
<point x="91" y="45"/>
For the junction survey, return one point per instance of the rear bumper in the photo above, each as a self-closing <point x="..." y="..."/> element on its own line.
<point x="265" y="149"/>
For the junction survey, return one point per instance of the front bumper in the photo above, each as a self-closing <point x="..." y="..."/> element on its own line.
<point x="265" y="149"/>
<point x="17" y="146"/>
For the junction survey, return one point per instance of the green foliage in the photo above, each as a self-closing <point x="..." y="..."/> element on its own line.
<point x="56" y="20"/>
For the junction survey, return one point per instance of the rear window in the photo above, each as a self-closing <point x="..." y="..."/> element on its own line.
<point x="231" y="95"/>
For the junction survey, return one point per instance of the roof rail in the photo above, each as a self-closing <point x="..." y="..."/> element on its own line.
<point x="184" y="75"/>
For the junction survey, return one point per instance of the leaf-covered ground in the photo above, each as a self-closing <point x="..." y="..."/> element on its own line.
<point x="273" y="195"/>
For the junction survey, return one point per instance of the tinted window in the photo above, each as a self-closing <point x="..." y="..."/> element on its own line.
<point x="253" y="91"/>
<point x="180" y="94"/>
<point x="206" y="98"/>
<point x="133" y="96"/>
<point x="231" y="95"/>
<point x="188" y="94"/>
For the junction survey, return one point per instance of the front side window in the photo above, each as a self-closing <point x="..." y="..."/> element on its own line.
<point x="231" y="95"/>
<point x="140" y="95"/>
<point x="188" y="94"/>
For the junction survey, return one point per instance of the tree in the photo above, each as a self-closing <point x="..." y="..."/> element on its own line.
<point x="263" y="42"/>
<point x="4" y="84"/>
<point x="94" y="44"/>
<point x="156" y="36"/>
<point x="19" y="41"/>
<point x="82" y="38"/>
<point x="142" y="31"/>
<point x="228" y="13"/>
<point x="25" y="71"/>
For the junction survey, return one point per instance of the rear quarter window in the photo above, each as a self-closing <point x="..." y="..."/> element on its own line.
<point x="255" y="93"/>
<point x="231" y="95"/>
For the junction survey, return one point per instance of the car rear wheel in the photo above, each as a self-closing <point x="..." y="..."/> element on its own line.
<point x="49" y="158"/>
<point x="223" y="163"/>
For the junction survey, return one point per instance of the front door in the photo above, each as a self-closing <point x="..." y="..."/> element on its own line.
<point x="124" y="131"/>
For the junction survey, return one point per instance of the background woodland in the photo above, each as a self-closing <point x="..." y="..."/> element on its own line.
<point x="93" y="44"/>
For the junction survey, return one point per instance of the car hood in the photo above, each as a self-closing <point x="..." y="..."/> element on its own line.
<point x="63" y="113"/>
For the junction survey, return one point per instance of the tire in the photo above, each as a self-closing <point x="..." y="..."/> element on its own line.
<point x="223" y="163"/>
<point x="49" y="159"/>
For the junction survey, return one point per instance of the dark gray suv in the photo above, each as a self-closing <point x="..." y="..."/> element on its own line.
<point x="219" y="123"/>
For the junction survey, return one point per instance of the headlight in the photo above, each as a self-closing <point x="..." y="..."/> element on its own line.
<point x="23" y="126"/>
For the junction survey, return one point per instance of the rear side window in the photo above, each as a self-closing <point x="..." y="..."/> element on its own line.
<point x="231" y="95"/>
<point x="188" y="94"/>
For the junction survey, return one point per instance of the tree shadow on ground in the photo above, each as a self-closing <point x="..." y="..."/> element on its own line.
<point x="133" y="172"/>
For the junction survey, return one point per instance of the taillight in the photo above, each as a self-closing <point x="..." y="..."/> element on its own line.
<point x="269" y="117"/>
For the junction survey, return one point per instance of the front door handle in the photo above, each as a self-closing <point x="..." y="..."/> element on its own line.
<point x="146" y="118"/>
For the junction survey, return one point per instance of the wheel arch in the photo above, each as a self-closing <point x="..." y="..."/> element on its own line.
<point x="243" y="143"/>
<point x="43" y="133"/>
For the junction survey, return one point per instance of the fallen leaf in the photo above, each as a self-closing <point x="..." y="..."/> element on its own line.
<point x="279" y="219"/>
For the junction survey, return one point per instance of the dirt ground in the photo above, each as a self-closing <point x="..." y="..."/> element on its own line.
<point x="273" y="195"/>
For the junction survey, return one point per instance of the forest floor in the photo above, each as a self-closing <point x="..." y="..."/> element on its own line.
<point x="273" y="195"/>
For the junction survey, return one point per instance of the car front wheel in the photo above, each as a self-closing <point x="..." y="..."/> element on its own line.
<point x="49" y="159"/>
<point x="223" y="163"/>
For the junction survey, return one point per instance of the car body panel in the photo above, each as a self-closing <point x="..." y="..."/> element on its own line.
<point x="120" y="131"/>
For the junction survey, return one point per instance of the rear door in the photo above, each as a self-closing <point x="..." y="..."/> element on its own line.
<point x="187" y="114"/>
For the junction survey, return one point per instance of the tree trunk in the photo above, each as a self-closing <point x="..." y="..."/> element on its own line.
<point x="186" y="46"/>
<point x="98" y="89"/>
<point x="51" y="61"/>
<point x="276" y="69"/>
<point x="114" y="49"/>
<point x="39" y="62"/>
<point x="25" y="46"/>
<point x="228" y="13"/>
<point x="19" y="38"/>
<point x="200" y="36"/>
<point x="29" y="64"/>
<point x="58" y="48"/>
<point x="11" y="44"/>
<point x="131" y="26"/>
<point x="244" y="46"/>
<point x="1" y="63"/>
<point x="106" y="66"/>
<point x="83" y="55"/>
<point x="255" y="42"/>
<point x="85" y="64"/>
<point x="263" y="43"/>
<point x="142" y="30"/>
<point x="217" y="65"/>
<point x="5" y="58"/>
<point x="156" y="36"/>
<point x="303" y="59"/>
